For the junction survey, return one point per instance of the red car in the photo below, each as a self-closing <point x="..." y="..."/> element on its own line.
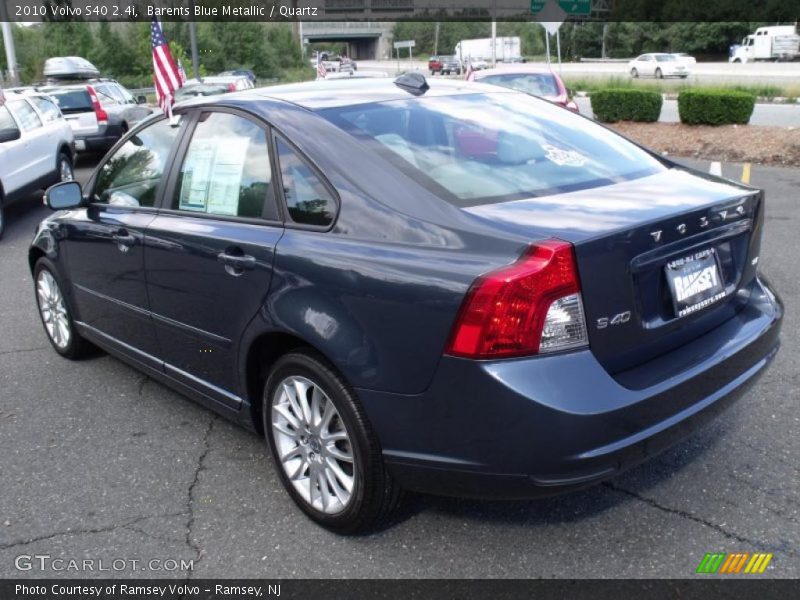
<point x="535" y="80"/>
<point x="434" y="65"/>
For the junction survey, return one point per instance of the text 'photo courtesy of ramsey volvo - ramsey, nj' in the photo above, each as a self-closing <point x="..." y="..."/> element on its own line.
<point x="504" y="300"/>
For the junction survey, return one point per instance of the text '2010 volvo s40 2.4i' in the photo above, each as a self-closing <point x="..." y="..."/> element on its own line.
<point x="455" y="288"/>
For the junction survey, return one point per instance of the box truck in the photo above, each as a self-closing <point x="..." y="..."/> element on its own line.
<point x="508" y="49"/>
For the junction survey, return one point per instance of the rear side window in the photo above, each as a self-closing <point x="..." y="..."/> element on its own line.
<point x="130" y="177"/>
<point x="226" y="170"/>
<point x="308" y="200"/>
<point x="73" y="101"/>
<point x="493" y="147"/>
<point x="108" y="94"/>
<point x="48" y="109"/>
<point x="27" y="117"/>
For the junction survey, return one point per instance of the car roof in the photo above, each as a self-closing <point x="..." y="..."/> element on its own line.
<point x="315" y="95"/>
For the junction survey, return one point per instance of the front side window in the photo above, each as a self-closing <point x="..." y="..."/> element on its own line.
<point x="308" y="200"/>
<point x="26" y="116"/>
<point x="124" y="95"/>
<point x="130" y="177"/>
<point x="226" y="170"/>
<point x="491" y="147"/>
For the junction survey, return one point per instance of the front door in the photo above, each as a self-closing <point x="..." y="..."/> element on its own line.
<point x="105" y="242"/>
<point x="209" y="252"/>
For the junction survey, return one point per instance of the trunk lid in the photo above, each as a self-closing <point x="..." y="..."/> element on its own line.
<point x="625" y="236"/>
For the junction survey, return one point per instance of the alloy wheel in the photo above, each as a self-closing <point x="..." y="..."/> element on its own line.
<point x="53" y="309"/>
<point x="313" y="445"/>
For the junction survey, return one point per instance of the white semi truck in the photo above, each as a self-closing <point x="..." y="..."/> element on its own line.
<point x="777" y="42"/>
<point x="508" y="49"/>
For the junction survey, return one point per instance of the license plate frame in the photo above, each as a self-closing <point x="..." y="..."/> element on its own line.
<point x="694" y="282"/>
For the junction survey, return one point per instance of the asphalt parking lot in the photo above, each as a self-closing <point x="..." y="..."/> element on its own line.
<point x="99" y="462"/>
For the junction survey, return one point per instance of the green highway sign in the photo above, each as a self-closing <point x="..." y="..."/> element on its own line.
<point x="576" y="7"/>
<point x="571" y="7"/>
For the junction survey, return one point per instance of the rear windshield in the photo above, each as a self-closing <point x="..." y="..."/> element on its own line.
<point x="191" y="91"/>
<point x="665" y="58"/>
<point x="70" y="101"/>
<point x="538" y="84"/>
<point x="481" y="148"/>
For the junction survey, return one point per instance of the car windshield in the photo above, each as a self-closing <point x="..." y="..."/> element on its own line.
<point x="665" y="57"/>
<point x="72" y="100"/>
<point x="538" y="84"/>
<point x="481" y="148"/>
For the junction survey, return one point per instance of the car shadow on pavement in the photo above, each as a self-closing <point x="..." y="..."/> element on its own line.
<point x="624" y="488"/>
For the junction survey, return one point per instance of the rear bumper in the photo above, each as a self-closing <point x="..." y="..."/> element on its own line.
<point x="102" y="141"/>
<point x="539" y="426"/>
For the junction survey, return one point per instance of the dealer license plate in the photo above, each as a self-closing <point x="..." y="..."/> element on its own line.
<point x="694" y="282"/>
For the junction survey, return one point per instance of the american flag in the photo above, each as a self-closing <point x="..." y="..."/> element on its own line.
<point x="321" y="71"/>
<point x="166" y="73"/>
<point x="181" y="72"/>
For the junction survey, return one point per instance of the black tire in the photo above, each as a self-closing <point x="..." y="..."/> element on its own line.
<point x="64" y="165"/>
<point x="659" y="74"/>
<point x="374" y="495"/>
<point x="635" y="73"/>
<point x="77" y="347"/>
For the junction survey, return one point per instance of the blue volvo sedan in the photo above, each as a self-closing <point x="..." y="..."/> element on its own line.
<point x="447" y="287"/>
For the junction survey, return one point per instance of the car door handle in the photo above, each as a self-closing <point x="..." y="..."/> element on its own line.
<point x="123" y="238"/>
<point x="234" y="262"/>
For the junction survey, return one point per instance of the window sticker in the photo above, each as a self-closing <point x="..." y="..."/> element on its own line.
<point x="212" y="175"/>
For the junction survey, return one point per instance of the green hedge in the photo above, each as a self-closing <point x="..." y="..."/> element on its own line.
<point x="715" y="107"/>
<point x="621" y="104"/>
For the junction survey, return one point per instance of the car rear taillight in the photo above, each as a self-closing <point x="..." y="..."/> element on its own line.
<point x="102" y="115"/>
<point x="231" y="87"/>
<point x="531" y="306"/>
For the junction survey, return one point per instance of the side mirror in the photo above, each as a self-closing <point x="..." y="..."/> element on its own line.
<point x="141" y="100"/>
<point x="10" y="134"/>
<point x="66" y="194"/>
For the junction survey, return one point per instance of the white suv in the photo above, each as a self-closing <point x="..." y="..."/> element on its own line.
<point x="36" y="146"/>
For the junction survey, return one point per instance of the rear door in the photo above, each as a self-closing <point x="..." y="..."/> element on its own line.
<point x="105" y="242"/>
<point x="38" y="150"/>
<point x="14" y="160"/>
<point x="209" y="252"/>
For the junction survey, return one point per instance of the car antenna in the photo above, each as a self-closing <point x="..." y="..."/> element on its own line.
<point x="413" y="83"/>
